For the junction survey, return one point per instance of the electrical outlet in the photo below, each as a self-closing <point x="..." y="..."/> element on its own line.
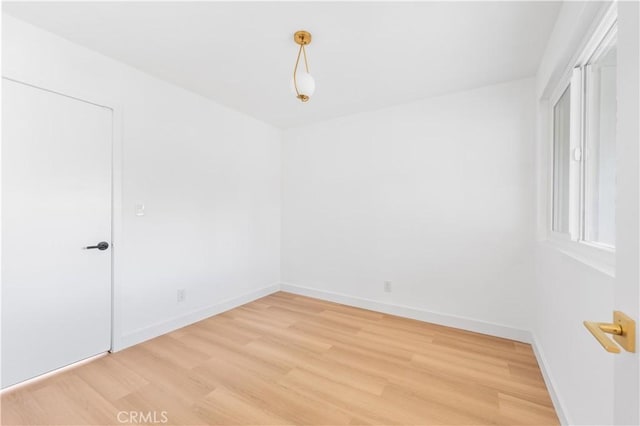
<point x="181" y="294"/>
<point x="387" y="286"/>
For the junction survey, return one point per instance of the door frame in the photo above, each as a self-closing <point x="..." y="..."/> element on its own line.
<point x="114" y="106"/>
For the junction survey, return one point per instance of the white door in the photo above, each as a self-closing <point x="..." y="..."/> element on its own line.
<point x="56" y="201"/>
<point x="627" y="284"/>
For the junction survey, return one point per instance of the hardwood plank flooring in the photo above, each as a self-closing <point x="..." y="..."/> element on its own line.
<point x="288" y="359"/>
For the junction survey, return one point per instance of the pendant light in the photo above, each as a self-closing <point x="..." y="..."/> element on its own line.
<point x="303" y="84"/>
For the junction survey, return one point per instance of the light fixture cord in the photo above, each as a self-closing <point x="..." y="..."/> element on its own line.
<point x="304" y="52"/>
<point x="295" y="70"/>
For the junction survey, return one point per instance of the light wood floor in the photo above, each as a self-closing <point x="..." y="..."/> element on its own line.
<point x="287" y="359"/>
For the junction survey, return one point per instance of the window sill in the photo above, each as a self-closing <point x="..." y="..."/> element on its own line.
<point x="599" y="259"/>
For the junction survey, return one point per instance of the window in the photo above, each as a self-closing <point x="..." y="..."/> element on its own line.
<point x="561" y="148"/>
<point x="600" y="147"/>
<point x="584" y="146"/>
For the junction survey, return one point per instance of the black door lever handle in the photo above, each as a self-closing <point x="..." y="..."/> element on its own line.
<point x="102" y="245"/>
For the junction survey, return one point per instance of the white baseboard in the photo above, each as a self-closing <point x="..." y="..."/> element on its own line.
<point x="463" y="323"/>
<point x="160" y="328"/>
<point x="548" y="380"/>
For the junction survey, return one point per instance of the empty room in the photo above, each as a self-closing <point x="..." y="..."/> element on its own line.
<point x="320" y="213"/>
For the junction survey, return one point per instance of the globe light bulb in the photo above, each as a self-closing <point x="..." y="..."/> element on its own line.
<point x="306" y="86"/>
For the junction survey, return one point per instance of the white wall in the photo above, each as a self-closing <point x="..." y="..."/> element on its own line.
<point x="436" y="196"/>
<point x="208" y="176"/>
<point x="568" y="290"/>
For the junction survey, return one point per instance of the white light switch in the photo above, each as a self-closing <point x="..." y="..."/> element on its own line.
<point x="139" y="209"/>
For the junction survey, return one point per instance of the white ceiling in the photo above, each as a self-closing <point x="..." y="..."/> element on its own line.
<point x="364" y="55"/>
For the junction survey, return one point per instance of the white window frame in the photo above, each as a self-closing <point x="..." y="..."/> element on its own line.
<point x="599" y="256"/>
<point x="605" y="42"/>
<point x="555" y="97"/>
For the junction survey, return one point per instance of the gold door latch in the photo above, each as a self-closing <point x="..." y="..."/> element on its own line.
<point x="623" y="330"/>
